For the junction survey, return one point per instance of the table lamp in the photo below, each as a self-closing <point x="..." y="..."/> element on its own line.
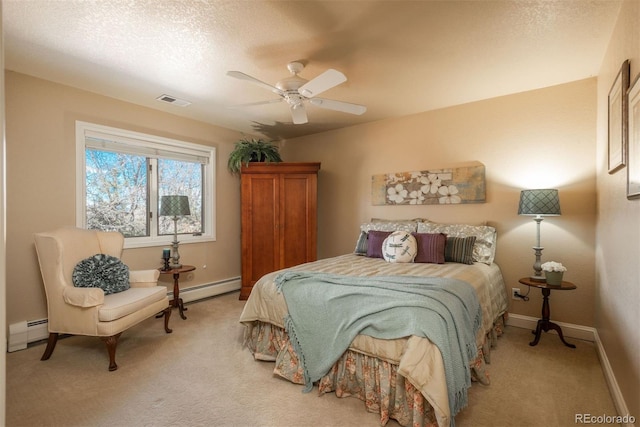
<point x="175" y="206"/>
<point x="543" y="202"/>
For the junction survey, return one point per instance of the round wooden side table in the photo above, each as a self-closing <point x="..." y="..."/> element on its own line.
<point x="177" y="301"/>
<point x="545" y="324"/>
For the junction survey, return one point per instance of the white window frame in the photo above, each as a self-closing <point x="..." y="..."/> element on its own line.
<point x="149" y="143"/>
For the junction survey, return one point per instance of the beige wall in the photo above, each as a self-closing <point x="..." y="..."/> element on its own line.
<point x="617" y="296"/>
<point x="40" y="117"/>
<point x="539" y="139"/>
<point x="3" y="259"/>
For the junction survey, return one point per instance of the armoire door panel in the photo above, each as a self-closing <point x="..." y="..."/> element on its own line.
<point x="298" y="226"/>
<point x="264" y="226"/>
<point x="259" y="227"/>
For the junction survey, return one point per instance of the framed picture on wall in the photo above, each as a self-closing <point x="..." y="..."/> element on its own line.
<point x="618" y="133"/>
<point x="633" y="167"/>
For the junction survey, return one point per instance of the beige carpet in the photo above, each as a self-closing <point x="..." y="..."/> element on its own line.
<point x="200" y="375"/>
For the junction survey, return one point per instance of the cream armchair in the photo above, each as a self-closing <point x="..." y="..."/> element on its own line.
<point x="88" y="311"/>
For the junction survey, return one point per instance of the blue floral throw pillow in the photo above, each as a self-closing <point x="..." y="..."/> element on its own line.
<point x="101" y="271"/>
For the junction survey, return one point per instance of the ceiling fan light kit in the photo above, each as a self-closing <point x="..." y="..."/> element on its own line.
<point x="295" y="91"/>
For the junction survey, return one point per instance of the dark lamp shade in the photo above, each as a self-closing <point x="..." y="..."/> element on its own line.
<point x="174" y="206"/>
<point x="539" y="202"/>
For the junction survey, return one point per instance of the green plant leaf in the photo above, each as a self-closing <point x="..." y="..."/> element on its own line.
<point x="245" y="150"/>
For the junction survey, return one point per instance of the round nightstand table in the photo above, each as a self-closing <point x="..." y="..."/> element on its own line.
<point x="177" y="301"/>
<point x="545" y="324"/>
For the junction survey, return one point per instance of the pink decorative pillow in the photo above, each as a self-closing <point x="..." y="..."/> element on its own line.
<point x="430" y="247"/>
<point x="375" y="241"/>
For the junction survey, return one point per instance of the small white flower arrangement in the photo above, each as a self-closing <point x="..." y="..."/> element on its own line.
<point x="553" y="266"/>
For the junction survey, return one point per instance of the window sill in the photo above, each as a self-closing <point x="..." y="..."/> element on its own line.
<point x="164" y="241"/>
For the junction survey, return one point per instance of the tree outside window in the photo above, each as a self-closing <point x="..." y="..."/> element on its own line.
<point x="125" y="174"/>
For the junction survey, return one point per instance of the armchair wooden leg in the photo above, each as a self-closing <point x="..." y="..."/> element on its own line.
<point x="167" y="315"/>
<point x="111" y="343"/>
<point x="51" y="345"/>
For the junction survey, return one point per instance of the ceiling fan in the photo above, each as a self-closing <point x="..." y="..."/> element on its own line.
<point x="295" y="91"/>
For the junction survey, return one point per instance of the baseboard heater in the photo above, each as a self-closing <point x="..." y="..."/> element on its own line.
<point x="29" y="331"/>
<point x="208" y="290"/>
<point x="22" y="333"/>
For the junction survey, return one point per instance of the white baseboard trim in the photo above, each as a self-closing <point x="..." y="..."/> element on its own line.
<point x="25" y="332"/>
<point x="614" y="389"/>
<point x="568" y="329"/>
<point x="588" y="334"/>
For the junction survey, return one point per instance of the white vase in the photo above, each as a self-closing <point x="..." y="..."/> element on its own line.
<point x="553" y="278"/>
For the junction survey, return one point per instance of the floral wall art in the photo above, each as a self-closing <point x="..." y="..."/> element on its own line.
<point x="430" y="187"/>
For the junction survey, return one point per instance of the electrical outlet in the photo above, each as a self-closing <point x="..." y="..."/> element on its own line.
<point x="514" y="293"/>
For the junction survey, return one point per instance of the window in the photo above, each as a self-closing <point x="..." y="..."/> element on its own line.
<point x="121" y="176"/>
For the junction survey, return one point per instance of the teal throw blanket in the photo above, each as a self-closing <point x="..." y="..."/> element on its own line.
<point x="327" y="311"/>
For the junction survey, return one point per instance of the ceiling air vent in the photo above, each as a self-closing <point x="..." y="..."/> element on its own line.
<point x="173" y="100"/>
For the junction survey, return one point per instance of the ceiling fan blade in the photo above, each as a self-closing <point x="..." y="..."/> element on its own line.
<point x="243" y="76"/>
<point x="251" y="104"/>
<point x="345" y="107"/>
<point x="324" y="81"/>
<point x="299" y="114"/>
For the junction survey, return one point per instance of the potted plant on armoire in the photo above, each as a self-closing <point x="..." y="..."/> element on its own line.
<point x="252" y="150"/>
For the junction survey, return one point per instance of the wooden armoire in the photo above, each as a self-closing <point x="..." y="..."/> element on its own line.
<point x="279" y="218"/>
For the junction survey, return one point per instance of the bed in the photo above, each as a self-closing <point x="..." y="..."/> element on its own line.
<point x="401" y="378"/>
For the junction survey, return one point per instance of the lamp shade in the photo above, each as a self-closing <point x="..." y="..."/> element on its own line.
<point x="539" y="202"/>
<point x="174" y="206"/>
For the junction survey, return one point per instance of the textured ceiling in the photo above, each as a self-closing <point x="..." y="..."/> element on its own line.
<point x="400" y="57"/>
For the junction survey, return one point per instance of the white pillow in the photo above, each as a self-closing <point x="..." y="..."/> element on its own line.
<point x="399" y="246"/>
<point x="389" y="225"/>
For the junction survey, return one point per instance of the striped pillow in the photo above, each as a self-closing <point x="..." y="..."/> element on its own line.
<point x="430" y="247"/>
<point x="459" y="249"/>
<point x="361" y="244"/>
<point x="484" y="250"/>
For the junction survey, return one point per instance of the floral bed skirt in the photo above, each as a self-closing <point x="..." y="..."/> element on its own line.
<point x="374" y="381"/>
